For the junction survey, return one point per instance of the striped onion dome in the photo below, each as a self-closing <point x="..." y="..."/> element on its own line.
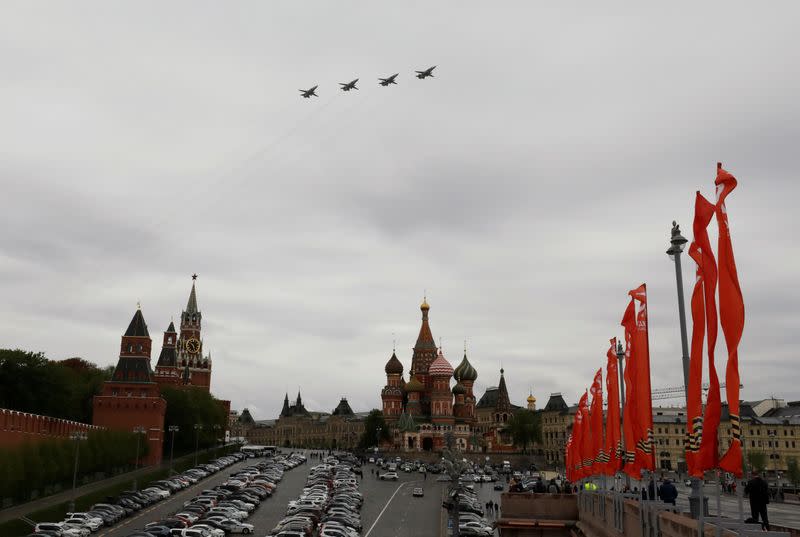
<point x="465" y="371"/>
<point x="440" y="367"/>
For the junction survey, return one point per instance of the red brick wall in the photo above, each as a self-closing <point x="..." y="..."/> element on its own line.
<point x="125" y="413"/>
<point x="19" y="427"/>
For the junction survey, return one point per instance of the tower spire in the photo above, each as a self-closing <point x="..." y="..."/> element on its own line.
<point x="191" y="306"/>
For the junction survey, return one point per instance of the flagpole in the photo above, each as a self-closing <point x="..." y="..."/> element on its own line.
<point x="621" y="367"/>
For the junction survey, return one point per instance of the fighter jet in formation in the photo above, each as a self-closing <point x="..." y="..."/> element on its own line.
<point x="426" y="73"/>
<point x="390" y="80"/>
<point x="347" y="86"/>
<point x="309" y="92"/>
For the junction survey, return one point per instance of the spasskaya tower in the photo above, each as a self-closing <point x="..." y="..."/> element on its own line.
<point x="183" y="362"/>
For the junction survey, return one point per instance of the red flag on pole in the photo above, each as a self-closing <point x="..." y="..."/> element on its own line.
<point x="694" y="404"/>
<point x="613" y="447"/>
<point x="707" y="455"/>
<point x="586" y="436"/>
<point x="643" y="422"/>
<point x="596" y="423"/>
<point x="731" y="312"/>
<point x="577" y="441"/>
<point x="628" y="415"/>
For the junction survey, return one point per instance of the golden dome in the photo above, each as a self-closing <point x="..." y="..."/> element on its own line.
<point x="531" y="398"/>
<point x="424" y="305"/>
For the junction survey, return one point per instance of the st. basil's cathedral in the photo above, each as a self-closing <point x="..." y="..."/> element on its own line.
<point x="423" y="410"/>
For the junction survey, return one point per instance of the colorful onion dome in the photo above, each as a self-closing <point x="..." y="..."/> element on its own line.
<point x="393" y="366"/>
<point x="459" y="389"/>
<point x="440" y="367"/>
<point x="465" y="371"/>
<point x="414" y="385"/>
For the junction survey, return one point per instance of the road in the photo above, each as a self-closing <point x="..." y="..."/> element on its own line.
<point x="389" y="509"/>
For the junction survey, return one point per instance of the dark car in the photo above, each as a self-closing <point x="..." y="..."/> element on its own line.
<point x="158" y="531"/>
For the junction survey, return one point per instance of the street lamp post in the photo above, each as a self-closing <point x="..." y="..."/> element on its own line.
<point x="197" y="428"/>
<point x="216" y="428"/>
<point x="138" y="431"/>
<point x="621" y="369"/>
<point x="173" y="429"/>
<point x="77" y="437"/>
<point x="677" y="243"/>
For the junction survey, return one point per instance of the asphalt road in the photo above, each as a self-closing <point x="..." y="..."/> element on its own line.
<point x="391" y="511"/>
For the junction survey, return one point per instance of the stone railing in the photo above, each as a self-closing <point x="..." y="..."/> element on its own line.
<point x="613" y="515"/>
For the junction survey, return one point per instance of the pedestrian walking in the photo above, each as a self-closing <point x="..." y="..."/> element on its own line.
<point x="668" y="492"/>
<point x="757" y="491"/>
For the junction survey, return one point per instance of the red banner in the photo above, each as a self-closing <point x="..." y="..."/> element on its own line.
<point x="596" y="423"/>
<point x="613" y="448"/>
<point x="694" y="404"/>
<point x="640" y="360"/>
<point x="586" y="436"/>
<point x="577" y="441"/>
<point x="731" y="312"/>
<point x="628" y="413"/>
<point x="707" y="456"/>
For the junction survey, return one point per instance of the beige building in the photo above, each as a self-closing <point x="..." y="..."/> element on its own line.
<point x="298" y="427"/>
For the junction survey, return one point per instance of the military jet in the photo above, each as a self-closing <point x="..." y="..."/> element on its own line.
<point x="426" y="73"/>
<point x="347" y="86"/>
<point x="389" y="80"/>
<point x="309" y="92"/>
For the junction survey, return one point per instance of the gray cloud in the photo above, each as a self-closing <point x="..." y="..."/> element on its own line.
<point x="527" y="187"/>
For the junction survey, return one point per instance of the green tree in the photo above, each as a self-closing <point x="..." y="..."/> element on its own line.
<point x="525" y="428"/>
<point x="372" y="423"/>
<point x="757" y="460"/>
<point x="793" y="470"/>
<point x="187" y="407"/>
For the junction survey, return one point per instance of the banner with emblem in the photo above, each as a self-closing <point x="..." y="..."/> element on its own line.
<point x="640" y="359"/>
<point x="613" y="446"/>
<point x="596" y="424"/>
<point x="731" y="312"/>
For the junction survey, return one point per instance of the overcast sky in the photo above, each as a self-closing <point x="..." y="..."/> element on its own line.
<point x="527" y="187"/>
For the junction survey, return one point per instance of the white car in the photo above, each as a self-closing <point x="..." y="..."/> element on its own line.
<point x="215" y="532"/>
<point x="92" y="523"/>
<point x="86" y="516"/>
<point x="473" y="524"/>
<point x="389" y="475"/>
<point x="234" y="526"/>
<point x="161" y="493"/>
<point x="60" y="527"/>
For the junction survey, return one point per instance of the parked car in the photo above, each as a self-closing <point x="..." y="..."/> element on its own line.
<point x="392" y="476"/>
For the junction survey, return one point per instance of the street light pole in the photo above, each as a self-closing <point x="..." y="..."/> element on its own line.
<point x="677" y="243"/>
<point x="77" y="437"/>
<point x="621" y="369"/>
<point x="197" y="428"/>
<point x="138" y="431"/>
<point x="216" y="428"/>
<point x="173" y="429"/>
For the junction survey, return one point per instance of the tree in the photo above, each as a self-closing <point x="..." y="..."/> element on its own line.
<point x="525" y="427"/>
<point x="372" y="423"/>
<point x="757" y="460"/>
<point x="187" y="407"/>
<point x="793" y="470"/>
